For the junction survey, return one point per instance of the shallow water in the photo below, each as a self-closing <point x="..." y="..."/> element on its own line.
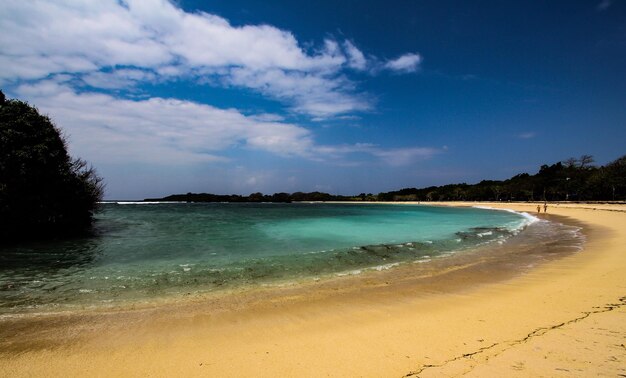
<point x="143" y="251"/>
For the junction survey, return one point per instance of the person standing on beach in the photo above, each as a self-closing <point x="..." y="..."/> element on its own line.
<point x="538" y="208"/>
<point x="545" y="207"/>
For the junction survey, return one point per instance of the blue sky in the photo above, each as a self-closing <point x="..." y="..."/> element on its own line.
<point x="343" y="97"/>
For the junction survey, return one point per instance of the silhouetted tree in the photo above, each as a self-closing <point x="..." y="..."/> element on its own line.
<point x="610" y="180"/>
<point x="43" y="192"/>
<point x="585" y="161"/>
<point x="572" y="179"/>
<point x="570" y="163"/>
<point x="256" y="197"/>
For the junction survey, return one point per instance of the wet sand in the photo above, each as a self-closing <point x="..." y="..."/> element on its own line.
<point x="565" y="317"/>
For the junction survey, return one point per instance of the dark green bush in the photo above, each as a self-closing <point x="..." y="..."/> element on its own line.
<point x="43" y="192"/>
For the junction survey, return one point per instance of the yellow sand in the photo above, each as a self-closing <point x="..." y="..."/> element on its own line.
<point x="564" y="318"/>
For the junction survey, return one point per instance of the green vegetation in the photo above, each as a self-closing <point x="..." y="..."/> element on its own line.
<point x="254" y="197"/>
<point x="43" y="192"/>
<point x="570" y="180"/>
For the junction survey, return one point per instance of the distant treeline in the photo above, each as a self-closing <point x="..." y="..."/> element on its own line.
<point x="569" y="180"/>
<point x="254" y="197"/>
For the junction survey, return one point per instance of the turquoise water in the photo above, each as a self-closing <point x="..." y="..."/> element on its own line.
<point x="155" y="250"/>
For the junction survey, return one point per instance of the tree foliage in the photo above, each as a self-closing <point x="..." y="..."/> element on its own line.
<point x="574" y="179"/>
<point x="43" y="192"/>
<point x="254" y="197"/>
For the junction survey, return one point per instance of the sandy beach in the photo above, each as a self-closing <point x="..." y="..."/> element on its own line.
<point x="566" y="317"/>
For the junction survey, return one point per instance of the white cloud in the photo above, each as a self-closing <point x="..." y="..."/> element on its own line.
<point x="115" y="43"/>
<point x="267" y="117"/>
<point x="390" y="156"/>
<point x="96" y="34"/>
<point x="121" y="78"/>
<point x="527" y="135"/>
<point x="404" y="156"/>
<point x="56" y="52"/>
<point x="311" y="94"/>
<point x="356" y="59"/>
<point x="604" y="5"/>
<point x="105" y="130"/>
<point x="405" y="63"/>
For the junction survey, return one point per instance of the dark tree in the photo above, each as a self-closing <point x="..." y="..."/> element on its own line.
<point x="574" y="179"/>
<point x="586" y="161"/>
<point x="570" y="163"/>
<point x="610" y="181"/>
<point x="43" y="192"/>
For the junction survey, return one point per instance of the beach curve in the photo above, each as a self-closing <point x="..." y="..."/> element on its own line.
<point x="565" y="317"/>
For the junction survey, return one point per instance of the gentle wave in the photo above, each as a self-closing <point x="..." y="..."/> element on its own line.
<point x="530" y="219"/>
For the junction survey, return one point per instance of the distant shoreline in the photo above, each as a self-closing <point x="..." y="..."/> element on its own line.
<point x="571" y="180"/>
<point x="451" y="203"/>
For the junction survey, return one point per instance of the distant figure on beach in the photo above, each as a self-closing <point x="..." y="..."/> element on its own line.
<point x="538" y="208"/>
<point x="545" y="207"/>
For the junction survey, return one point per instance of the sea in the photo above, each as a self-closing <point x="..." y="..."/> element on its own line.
<point x="142" y="251"/>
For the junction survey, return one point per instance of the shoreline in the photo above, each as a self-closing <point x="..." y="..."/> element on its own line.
<point x="369" y="327"/>
<point x="444" y="258"/>
<point x="418" y="273"/>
